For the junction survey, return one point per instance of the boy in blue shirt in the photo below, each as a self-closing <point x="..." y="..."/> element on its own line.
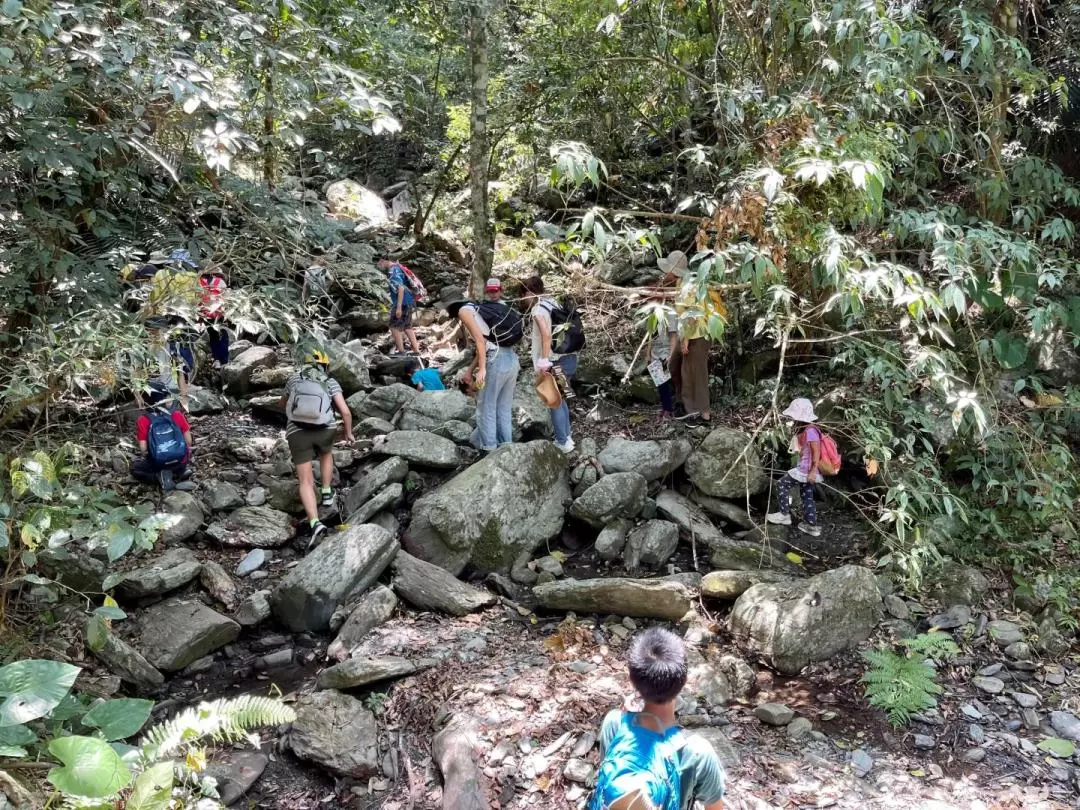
<point x="427" y="379"/>
<point x="402" y="304"/>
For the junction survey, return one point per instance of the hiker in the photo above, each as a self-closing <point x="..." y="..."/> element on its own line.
<point x="689" y="366"/>
<point x="557" y="336"/>
<point x="494" y="328"/>
<point x="662" y="349"/>
<point x="493" y="289"/>
<point x="402" y="304"/>
<point x="647" y="761"/>
<point x="310" y="399"/>
<point x="807" y="443"/>
<point x="163" y="436"/>
<point x="427" y="379"/>
<point x="211" y="308"/>
<point x="172" y="305"/>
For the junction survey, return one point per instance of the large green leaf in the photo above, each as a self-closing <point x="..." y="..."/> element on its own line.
<point x="119" y="719"/>
<point x="1057" y="747"/>
<point x="91" y="767"/>
<point x="153" y="789"/>
<point x="33" y="688"/>
<point x="1010" y="351"/>
<point x="17" y="736"/>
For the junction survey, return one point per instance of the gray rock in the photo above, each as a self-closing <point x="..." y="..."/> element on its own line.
<point x="1066" y="724"/>
<point x="577" y="770"/>
<point x="420" y="448"/>
<point x="430" y="587"/>
<point x="348" y="366"/>
<point x="390" y="471"/>
<point x="372" y="426"/>
<point x="73" y="569"/>
<point x="455" y="431"/>
<point x="254" y="609"/>
<point x="756" y="556"/>
<point x="956" y="616"/>
<point x="269" y="405"/>
<point x="861" y="762"/>
<point x="358" y="672"/>
<point x="659" y="598"/>
<point x="174" y="633"/>
<point x="708" y="684"/>
<point x="1030" y="719"/>
<point x="255" y="526"/>
<point x="959" y="585"/>
<point x="501" y="508"/>
<point x="549" y="565"/>
<point x="610" y="541"/>
<point x="386" y="498"/>
<point x="792" y="624"/>
<point x="976" y="733"/>
<point x="386" y="520"/>
<point x="691" y="519"/>
<point x="613" y="496"/>
<point x="375" y="607"/>
<point x="720" y="468"/>
<point x="217" y="582"/>
<point x="381" y="403"/>
<point x="727" y="752"/>
<point x="173" y="569"/>
<point x="733" y="584"/>
<point x="430" y="409"/>
<point x="896" y="607"/>
<point x="740" y="675"/>
<point x="336" y="732"/>
<point x="237" y="373"/>
<point x="183" y="517"/>
<point x="271" y="377"/>
<point x="222" y="496"/>
<point x="973" y="756"/>
<point x="256" y="496"/>
<point x="1019" y="651"/>
<point x="253" y="561"/>
<point x="253" y="449"/>
<point x="203" y="401"/>
<point x="237" y="774"/>
<point x="1024" y="700"/>
<point x="332" y="574"/>
<point x="991" y="686"/>
<point x="282" y="494"/>
<point x="124" y="660"/>
<point x="1051" y="642"/>
<point x="650" y="545"/>
<point x="725" y="510"/>
<point x="1004" y="633"/>
<point x="651" y="459"/>
<point x="799" y="727"/>
<point x="532" y="418"/>
<point x="924" y="741"/>
<point x="774" y="714"/>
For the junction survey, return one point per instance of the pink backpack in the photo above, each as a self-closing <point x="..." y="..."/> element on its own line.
<point x="829" y="460"/>
<point x="416" y="285"/>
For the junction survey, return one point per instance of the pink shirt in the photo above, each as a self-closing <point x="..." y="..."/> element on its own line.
<point x="806" y="458"/>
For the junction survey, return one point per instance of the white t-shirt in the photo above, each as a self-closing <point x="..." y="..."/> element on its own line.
<point x="541" y="313"/>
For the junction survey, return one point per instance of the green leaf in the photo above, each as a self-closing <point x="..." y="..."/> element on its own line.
<point x="33" y="688"/>
<point x="11" y="8"/>
<point x="119" y="719"/>
<point x="121" y="538"/>
<point x="97" y="633"/>
<point x="1010" y="351"/>
<point x="12" y="751"/>
<point x="1057" y="747"/>
<point x="112" y="580"/>
<point x="107" y="612"/>
<point x="17" y="735"/>
<point x="153" y="789"/>
<point x="91" y="768"/>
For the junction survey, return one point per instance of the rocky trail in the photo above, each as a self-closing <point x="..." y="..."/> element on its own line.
<point x="460" y="636"/>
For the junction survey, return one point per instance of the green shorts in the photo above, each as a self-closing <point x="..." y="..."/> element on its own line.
<point x="307" y="443"/>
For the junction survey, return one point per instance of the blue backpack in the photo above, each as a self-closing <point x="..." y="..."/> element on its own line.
<point x="165" y="443"/>
<point x="643" y="761"/>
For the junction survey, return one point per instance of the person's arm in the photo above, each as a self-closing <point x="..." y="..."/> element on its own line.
<point x="400" y="300"/>
<point x="815" y="457"/>
<point x="545" y="334"/>
<point x="480" y="360"/>
<point x="715" y="806"/>
<point x="346" y="415"/>
<point x="142" y="445"/>
<point x="187" y="439"/>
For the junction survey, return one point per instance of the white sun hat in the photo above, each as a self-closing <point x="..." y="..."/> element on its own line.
<point x="675" y="263"/>
<point x="801" y="410"/>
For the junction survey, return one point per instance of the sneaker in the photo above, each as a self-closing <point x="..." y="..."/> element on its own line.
<point x="779" y="518"/>
<point x="318" y="529"/>
<point x="809" y="528"/>
<point x="165" y="478"/>
<point x="328" y="498"/>
<point x="567" y="446"/>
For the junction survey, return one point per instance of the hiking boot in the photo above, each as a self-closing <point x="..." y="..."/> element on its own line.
<point x="811" y="529"/>
<point x="318" y="529"/>
<point x="328" y="498"/>
<point x="165" y="478"/>
<point x="566" y="447"/>
<point x="779" y="518"/>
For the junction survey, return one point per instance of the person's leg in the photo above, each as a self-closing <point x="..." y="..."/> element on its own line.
<point x="399" y="339"/>
<point x="809" y="508"/>
<point x="783" y="492"/>
<point x="305" y="477"/>
<point x="143" y="470"/>
<point x="667" y="398"/>
<point x="410" y="333"/>
<point x="219" y="343"/>
<point x="326" y="478"/>
<point x="484" y="437"/>
<point x="504" y="406"/>
<point x="675" y="369"/>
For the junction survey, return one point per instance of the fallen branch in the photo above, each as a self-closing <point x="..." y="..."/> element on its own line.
<point x="454" y="751"/>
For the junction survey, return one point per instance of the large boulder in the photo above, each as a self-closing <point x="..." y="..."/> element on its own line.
<point x="375" y="607"/>
<point x="357" y="672"/>
<point x="654" y="460"/>
<point x="381" y="403"/>
<point x="429" y="587"/>
<point x="391" y="471"/>
<point x="333" y="574"/>
<point x="430" y="409"/>
<point x="221" y="496"/>
<point x="532" y="418"/>
<point x="255" y="527"/>
<point x="174" y="568"/>
<point x="237" y="373"/>
<point x="420" y="448"/>
<point x="176" y="632"/>
<point x="725" y="510"/>
<point x="720" y="468"/>
<point x="504" y="506"/>
<point x="690" y="518"/>
<point x="956" y="584"/>
<point x="795" y="623"/>
<point x="203" y="401"/>
<point x="183" y="517"/>
<point x="75" y="569"/>
<point x="125" y="661"/>
<point x="348" y="365"/>
<point x="348" y="199"/>
<point x="336" y="732"/>
<point x="651" y="544"/>
<point x="613" y="496"/>
<point x="648" y="598"/>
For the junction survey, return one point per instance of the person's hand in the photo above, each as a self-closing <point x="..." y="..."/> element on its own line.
<point x="543" y="364"/>
<point x="350" y="438"/>
<point x="479" y="378"/>
<point x="397" y="312"/>
<point x="686" y="347"/>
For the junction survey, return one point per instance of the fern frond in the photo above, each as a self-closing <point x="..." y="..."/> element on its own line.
<point x="224" y="720"/>
<point x="938" y="646"/>
<point x="900" y="685"/>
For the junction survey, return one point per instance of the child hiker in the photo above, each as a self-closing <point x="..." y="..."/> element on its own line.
<point x="808" y="444"/>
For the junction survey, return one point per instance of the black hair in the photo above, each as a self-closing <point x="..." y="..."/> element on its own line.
<point x="657" y="662"/>
<point x="158" y="394"/>
<point x="534" y="285"/>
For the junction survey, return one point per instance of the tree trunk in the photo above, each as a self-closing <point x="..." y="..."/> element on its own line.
<point x="478" y="151"/>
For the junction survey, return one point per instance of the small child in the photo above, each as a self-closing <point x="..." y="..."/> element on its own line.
<point x="808" y="444"/>
<point x="163" y="435"/>
<point x="644" y="754"/>
<point x="662" y="347"/>
<point x="427" y="379"/>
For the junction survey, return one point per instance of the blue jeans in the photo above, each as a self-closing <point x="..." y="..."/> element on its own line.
<point x="560" y="417"/>
<point x="494" y="404"/>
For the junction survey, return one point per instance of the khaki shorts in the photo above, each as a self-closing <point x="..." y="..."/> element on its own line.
<point x="307" y="443"/>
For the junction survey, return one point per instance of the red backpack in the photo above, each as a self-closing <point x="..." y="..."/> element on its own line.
<point x="419" y="291"/>
<point x="829" y="459"/>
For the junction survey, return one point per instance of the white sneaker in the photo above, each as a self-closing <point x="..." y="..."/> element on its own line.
<point x="779" y="518"/>
<point x="809" y="528"/>
<point x="567" y="446"/>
